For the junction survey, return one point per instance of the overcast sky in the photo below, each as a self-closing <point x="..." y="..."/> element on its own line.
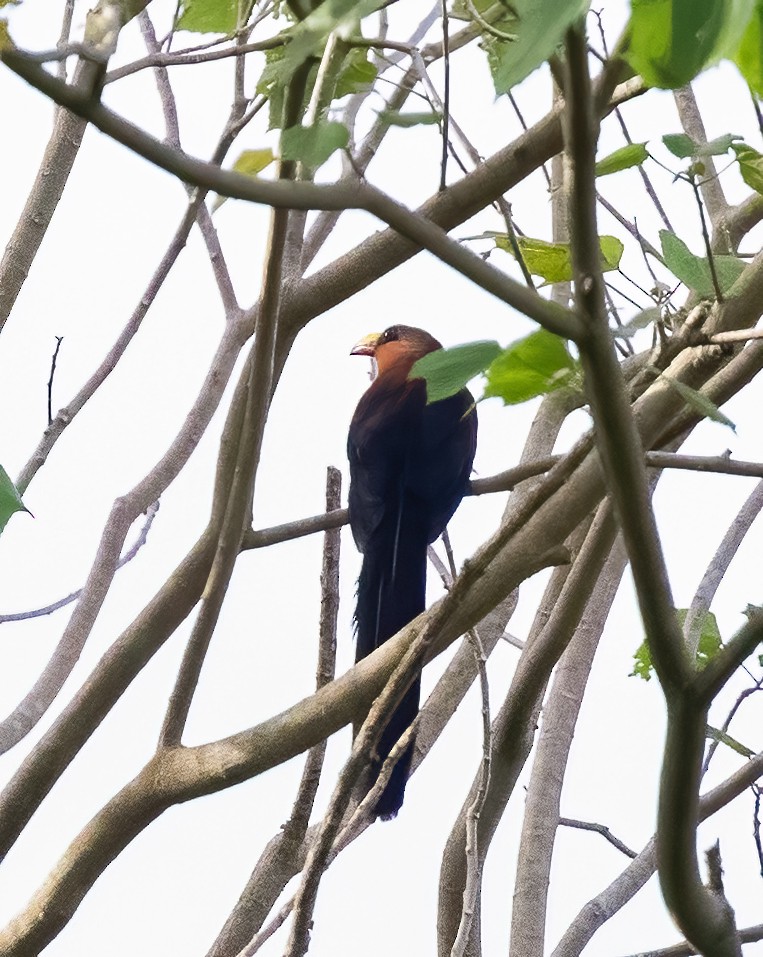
<point x="177" y="882"/>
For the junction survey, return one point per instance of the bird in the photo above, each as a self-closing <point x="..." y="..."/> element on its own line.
<point x="410" y="464"/>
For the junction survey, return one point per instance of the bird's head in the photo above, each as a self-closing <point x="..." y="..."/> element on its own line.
<point x="396" y="347"/>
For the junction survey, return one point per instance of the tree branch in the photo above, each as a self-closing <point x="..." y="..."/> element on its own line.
<point x="300" y="195"/>
<point x="606" y="904"/>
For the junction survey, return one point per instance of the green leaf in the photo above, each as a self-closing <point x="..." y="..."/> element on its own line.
<point x="699" y="402"/>
<point x="308" y="37"/>
<point x="357" y="74"/>
<point x="719" y="146"/>
<point x="396" y="118"/>
<point x="553" y="261"/>
<point x="710" y="644"/>
<point x="671" y="41"/>
<point x="611" y="252"/>
<point x="684" y="147"/>
<point x="252" y="162"/>
<point x="715" y="734"/>
<point x="536" y="365"/>
<point x="539" y="28"/>
<point x="710" y="641"/>
<point x="642" y="667"/>
<point x="750" y="165"/>
<point x="680" y="145"/>
<point x="694" y="271"/>
<point x="312" y="145"/>
<point x="634" y="154"/>
<point x="249" y="163"/>
<point x="640" y="321"/>
<point x="209" y="16"/>
<point x="268" y="86"/>
<point x="448" y="370"/>
<point x="749" y="54"/>
<point x="10" y="500"/>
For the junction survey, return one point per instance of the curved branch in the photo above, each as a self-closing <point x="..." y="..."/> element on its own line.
<point x="711" y="580"/>
<point x="123" y="513"/>
<point x="300" y="195"/>
<point x="513" y="729"/>
<point x="606" y="904"/>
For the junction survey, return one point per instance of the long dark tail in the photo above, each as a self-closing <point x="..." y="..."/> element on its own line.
<point x="392" y="592"/>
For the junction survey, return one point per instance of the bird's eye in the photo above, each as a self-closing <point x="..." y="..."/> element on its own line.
<point x="391" y="334"/>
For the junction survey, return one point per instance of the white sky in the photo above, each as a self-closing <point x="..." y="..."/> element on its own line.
<point x="172" y="888"/>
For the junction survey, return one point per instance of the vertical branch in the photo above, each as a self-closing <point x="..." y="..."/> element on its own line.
<point x="445" y="95"/>
<point x="706" y="237"/>
<point x="718" y="566"/>
<point x="259" y="375"/>
<point x="326" y="666"/>
<point x="473" y="883"/>
<point x="539" y="443"/>
<point x="561" y="291"/>
<point x="695" y="909"/>
<point x="54" y="359"/>
<point x="616" y="434"/>
<point x="542" y="805"/>
<point x="691" y="120"/>
<point x="285" y="854"/>
<point x="56" y="165"/>
<point x="514" y="726"/>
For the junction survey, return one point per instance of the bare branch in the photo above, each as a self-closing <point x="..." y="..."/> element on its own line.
<point x="128" y="556"/>
<point x="285" y="854"/>
<point x="123" y="513"/>
<point x="721" y="464"/>
<point x="514" y="726"/>
<point x="748" y="935"/>
<point x="741" y="697"/>
<point x="258" y="377"/>
<point x="326" y="666"/>
<point x="54" y="359"/>
<point x="300" y="195"/>
<point x="602" y="907"/>
<point x="718" y="567"/>
<point x="473" y="882"/>
<point x="710" y="186"/>
<point x="542" y="811"/>
<point x="598" y="829"/>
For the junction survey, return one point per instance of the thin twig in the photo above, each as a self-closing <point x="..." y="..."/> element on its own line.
<point x="631" y="227"/>
<point x="128" y="556"/>
<point x="504" y="482"/>
<point x="651" y="192"/>
<point x="741" y="698"/>
<point x="59" y="340"/>
<point x="599" y="829"/>
<point x="473" y="881"/>
<point x="192" y="56"/>
<point x="445" y="94"/>
<point x="257" y="377"/>
<point x="757" y="791"/>
<point x="735" y="335"/>
<point x="706" y="238"/>
<point x="523" y="124"/>
<point x="716" y="570"/>
<point x="300" y="195"/>
<point x="326" y="666"/>
<point x="63" y="37"/>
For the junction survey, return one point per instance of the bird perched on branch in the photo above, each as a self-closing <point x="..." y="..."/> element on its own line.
<point x="409" y="468"/>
